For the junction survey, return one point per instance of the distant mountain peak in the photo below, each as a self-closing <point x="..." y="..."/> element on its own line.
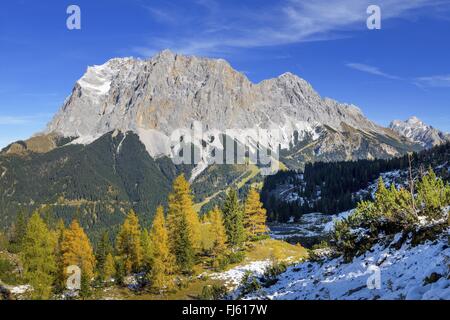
<point x="417" y="131"/>
<point x="414" y="120"/>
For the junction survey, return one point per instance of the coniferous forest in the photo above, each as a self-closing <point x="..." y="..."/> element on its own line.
<point x="333" y="187"/>
<point x="159" y="260"/>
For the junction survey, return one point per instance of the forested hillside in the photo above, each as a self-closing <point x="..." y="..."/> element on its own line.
<point x="179" y="255"/>
<point x="335" y="187"/>
<point x="394" y="247"/>
<point x="96" y="183"/>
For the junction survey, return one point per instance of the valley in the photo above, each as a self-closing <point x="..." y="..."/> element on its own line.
<point x="102" y="187"/>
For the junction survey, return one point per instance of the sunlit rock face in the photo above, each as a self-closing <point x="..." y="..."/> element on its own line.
<point x="155" y="97"/>
<point x="417" y="131"/>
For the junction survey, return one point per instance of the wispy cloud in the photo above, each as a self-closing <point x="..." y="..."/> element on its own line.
<point x="220" y="27"/>
<point x="371" y="70"/>
<point x="438" y="81"/>
<point x="41" y="94"/>
<point x="23" y="120"/>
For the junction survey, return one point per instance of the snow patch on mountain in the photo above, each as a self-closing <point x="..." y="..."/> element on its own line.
<point x="97" y="80"/>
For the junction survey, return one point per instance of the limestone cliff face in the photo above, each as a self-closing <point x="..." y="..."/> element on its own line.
<point x="157" y="96"/>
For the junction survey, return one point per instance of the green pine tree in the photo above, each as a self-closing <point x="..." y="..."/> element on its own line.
<point x="233" y="215"/>
<point x="182" y="246"/>
<point x="85" y="287"/>
<point x="431" y="195"/>
<point x="104" y="248"/>
<point x="60" y="277"/>
<point x="18" y="233"/>
<point x="183" y="225"/>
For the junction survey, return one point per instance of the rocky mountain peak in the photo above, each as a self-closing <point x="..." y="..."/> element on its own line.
<point x="414" y="121"/>
<point x="154" y="97"/>
<point x="417" y="131"/>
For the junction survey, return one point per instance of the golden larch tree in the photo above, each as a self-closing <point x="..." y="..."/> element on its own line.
<point x="218" y="232"/>
<point x="38" y="257"/>
<point x="77" y="251"/>
<point x="163" y="262"/>
<point x="255" y="215"/>
<point x="147" y="250"/>
<point x="128" y="243"/>
<point x="109" y="267"/>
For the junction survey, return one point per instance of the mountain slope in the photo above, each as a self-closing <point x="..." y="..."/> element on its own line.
<point x="334" y="187"/>
<point x="410" y="272"/>
<point x="97" y="183"/>
<point x="419" y="132"/>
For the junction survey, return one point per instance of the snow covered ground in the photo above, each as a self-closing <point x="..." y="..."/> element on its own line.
<point x="420" y="272"/>
<point x="233" y="277"/>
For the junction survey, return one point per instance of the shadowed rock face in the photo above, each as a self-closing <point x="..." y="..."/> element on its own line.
<point x="419" y="132"/>
<point x="155" y="97"/>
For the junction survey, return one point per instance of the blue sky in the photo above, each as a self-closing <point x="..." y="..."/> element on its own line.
<point x="393" y="73"/>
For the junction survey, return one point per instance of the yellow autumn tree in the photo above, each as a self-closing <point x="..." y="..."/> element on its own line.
<point x="147" y="250"/>
<point x="128" y="243"/>
<point x="255" y="215"/>
<point x="181" y="202"/>
<point x="77" y="250"/>
<point x="109" y="267"/>
<point x="163" y="262"/>
<point x="38" y="257"/>
<point x="183" y="224"/>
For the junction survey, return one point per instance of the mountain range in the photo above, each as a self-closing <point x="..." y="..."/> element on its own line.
<point x="417" y="131"/>
<point x="109" y="148"/>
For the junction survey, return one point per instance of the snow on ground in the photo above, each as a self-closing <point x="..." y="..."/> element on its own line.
<point x="233" y="277"/>
<point x="399" y="178"/>
<point x="341" y="216"/>
<point x="20" y="289"/>
<point x="404" y="274"/>
<point x="309" y="225"/>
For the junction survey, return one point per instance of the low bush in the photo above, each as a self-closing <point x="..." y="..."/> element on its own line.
<point x="392" y="211"/>
<point x="213" y="292"/>
<point x="271" y="274"/>
<point x="8" y="273"/>
<point x="235" y="257"/>
<point x="249" y="284"/>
